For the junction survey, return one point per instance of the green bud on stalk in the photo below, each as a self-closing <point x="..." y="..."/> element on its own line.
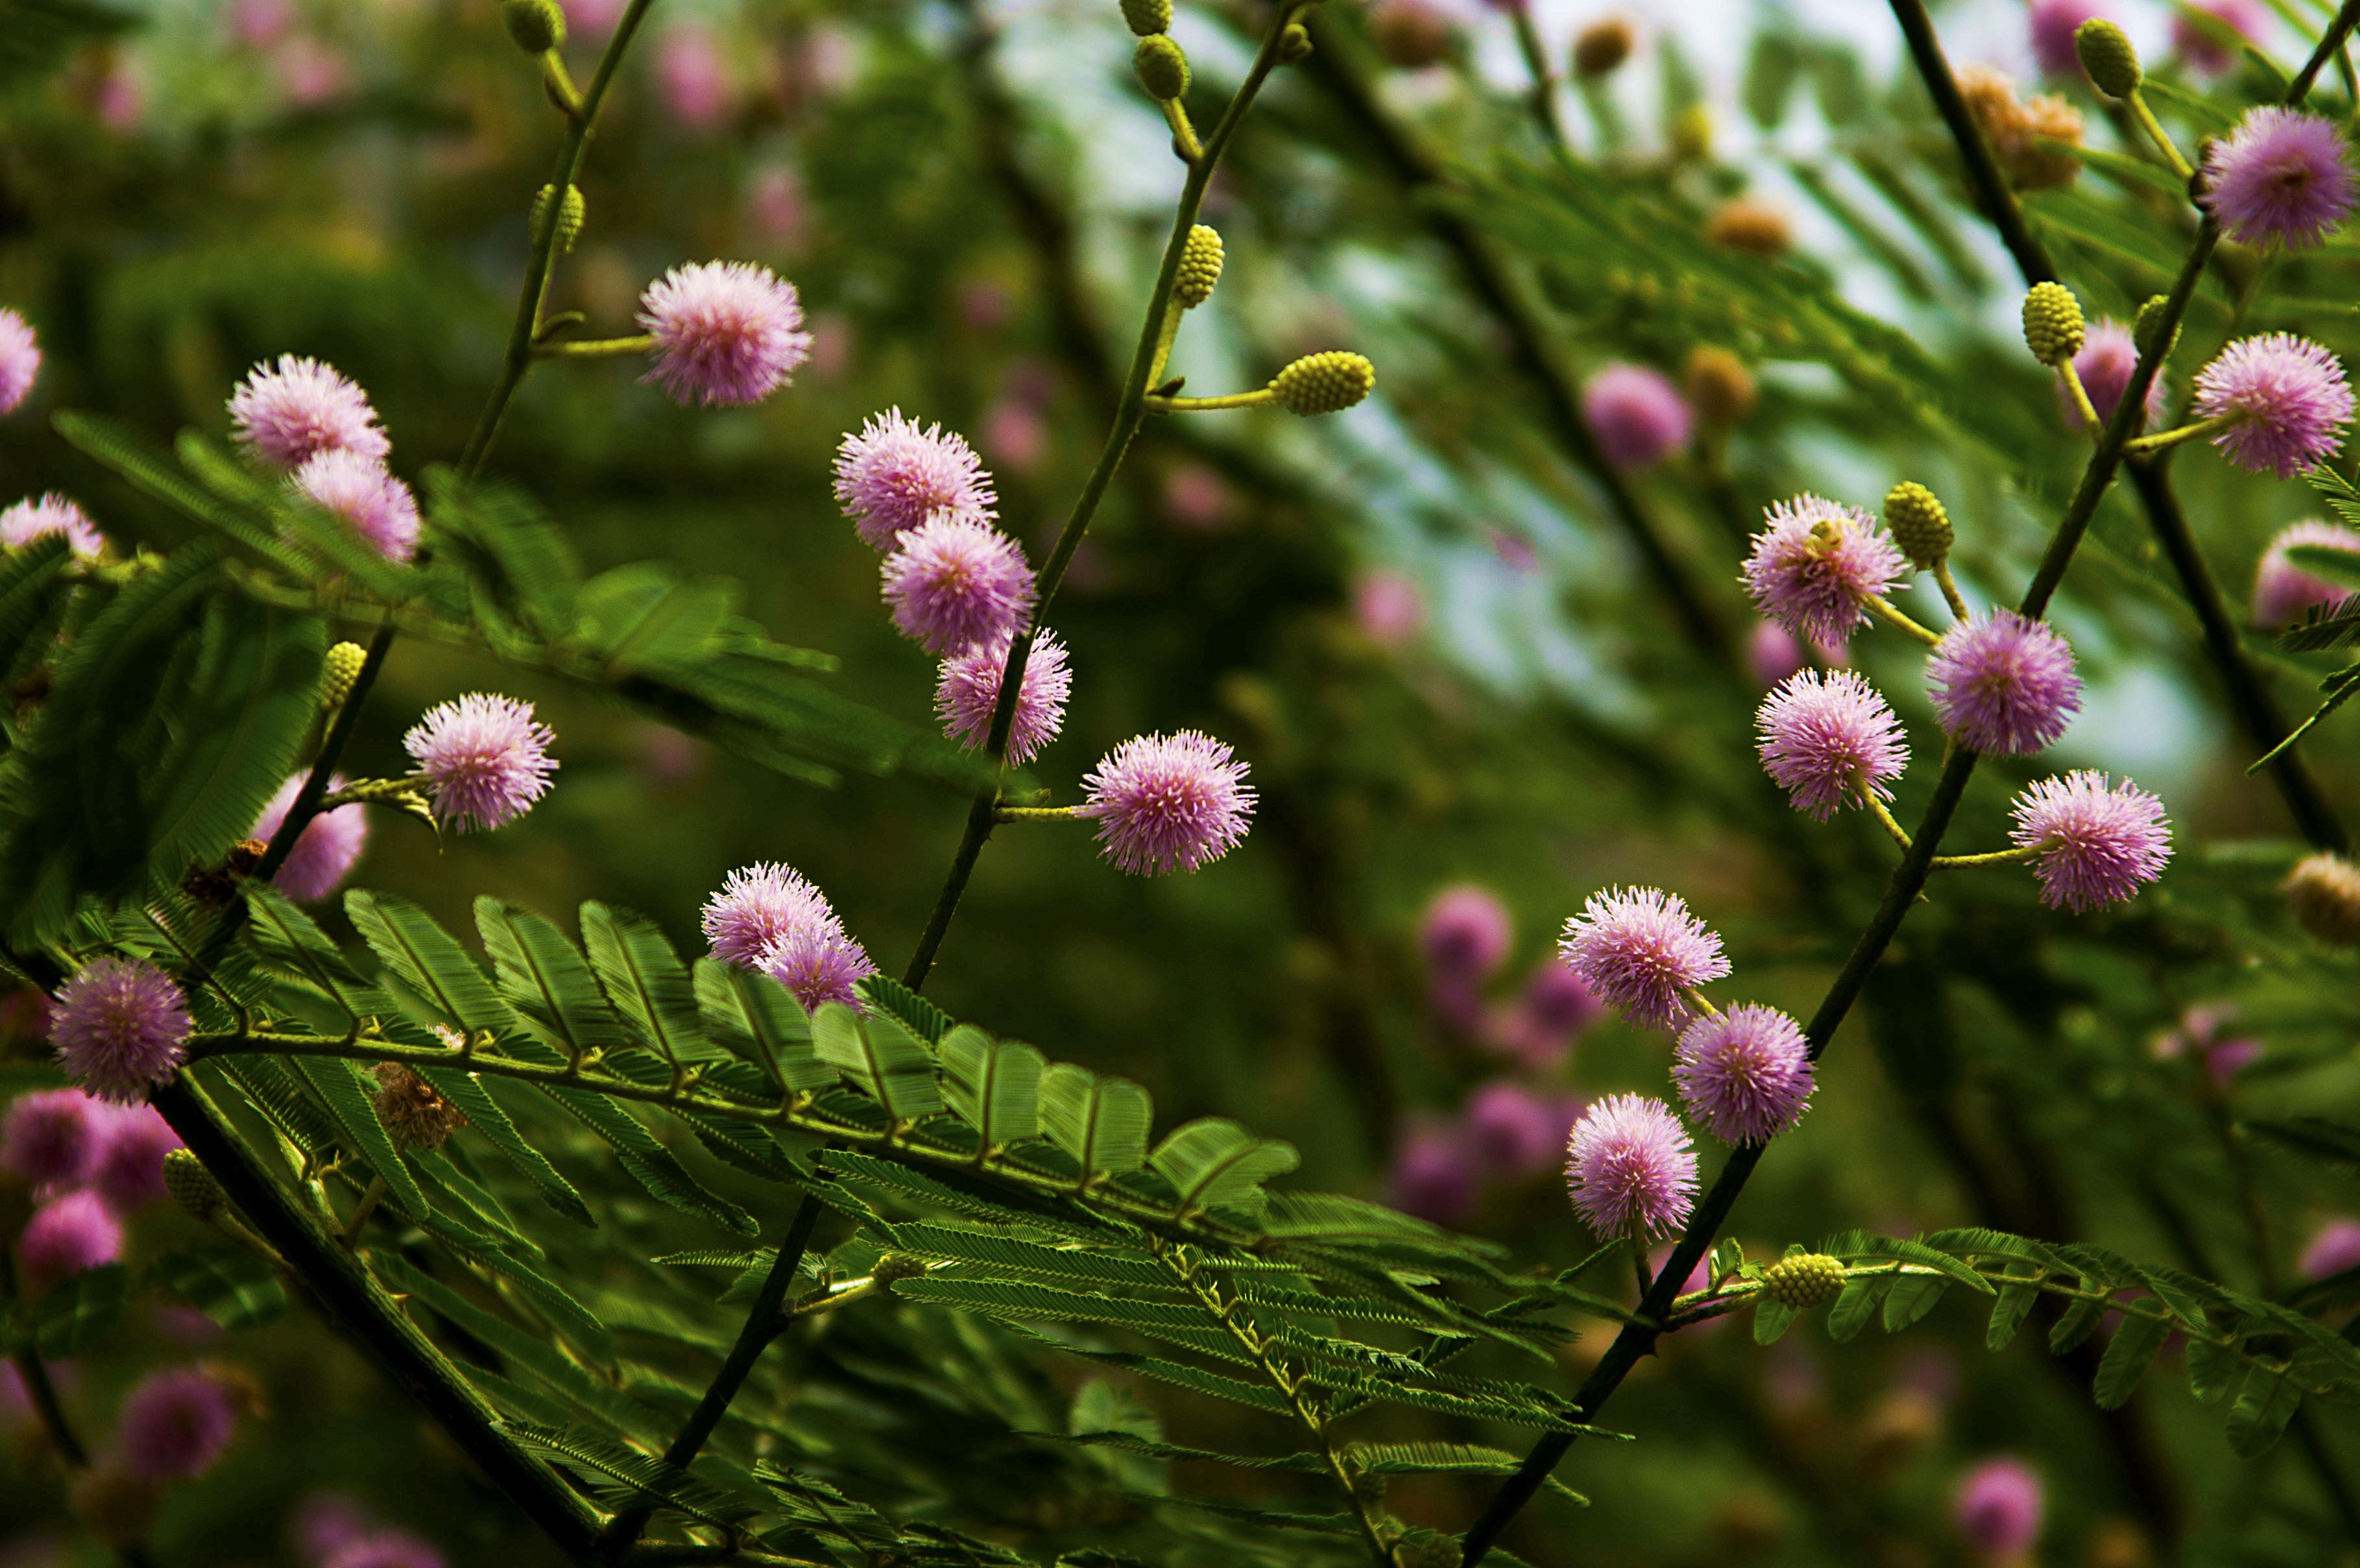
<point x="1161" y="68"/>
<point x="1295" y="44"/>
<point x="1200" y="267"/>
<point x="536" y="25"/>
<point x="1147" y="17"/>
<point x="569" y="217"/>
<point x="2053" y="327"/>
<point x="1324" y="383"/>
<point x="2147" y="329"/>
<point x="1803" y="1279"/>
<point x="1919" y="524"/>
<point x="2107" y="55"/>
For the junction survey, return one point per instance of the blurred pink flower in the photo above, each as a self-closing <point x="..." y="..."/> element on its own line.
<point x="1015" y="435"/>
<point x="775" y="209"/>
<point x="1388" y="607"/>
<point x="1432" y="1175"/>
<point x="1197" y="499"/>
<point x="694" y="78"/>
<point x="310" y="72"/>
<point x="258" y="23"/>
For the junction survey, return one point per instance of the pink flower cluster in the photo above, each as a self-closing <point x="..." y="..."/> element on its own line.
<point x="92" y="1163"/>
<point x="37" y="517"/>
<point x="20" y="361"/>
<point x="773" y="918"/>
<point x="1504" y="1134"/>
<point x="175" y="1425"/>
<point x="1464" y="939"/>
<point x="306" y="420"/>
<point x="329" y="1529"/>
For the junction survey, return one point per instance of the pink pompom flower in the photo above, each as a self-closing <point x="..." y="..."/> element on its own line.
<point x="1512" y="1131"/>
<point x="968" y="690"/>
<point x="364" y="496"/>
<point x="2103" y="367"/>
<point x="1388" y="607"/>
<point x="284" y="414"/>
<point x="20" y="361"/>
<point x="891" y="476"/>
<point x="37" y="517"/>
<point x="67" y="1235"/>
<point x="956" y="581"/>
<point x="1746" y="1073"/>
<point x="1630" y="1168"/>
<point x="2052" y="25"/>
<point x="820" y="963"/>
<point x="2283" y="400"/>
<point x="1818" y="565"/>
<point x="694" y="77"/>
<point x="175" y="1425"/>
<point x="1641" y="950"/>
<point x="1432" y="1174"/>
<point x="129" y="1171"/>
<point x="2282" y="590"/>
<point x="50" y="1138"/>
<point x="2203" y="47"/>
<point x="1997" y="1510"/>
<point x="2282" y="178"/>
<point x="487" y="759"/>
<point x="1829" y="740"/>
<point x="1638" y="415"/>
<point x="1168" y="803"/>
<point x="726" y="331"/>
<point x="2333" y="1249"/>
<point x="325" y="852"/>
<point x="2003" y="684"/>
<point x="2099" y="842"/>
<point x="1555" y="1007"/>
<point x="121" y="1027"/>
<point x="1466" y="930"/>
<point x="758" y="904"/>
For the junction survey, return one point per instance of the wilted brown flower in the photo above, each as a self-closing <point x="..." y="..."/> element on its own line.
<point x="413" y="1112"/>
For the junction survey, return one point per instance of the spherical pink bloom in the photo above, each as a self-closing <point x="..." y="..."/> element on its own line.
<point x="283" y="415"/>
<point x="726" y="331"/>
<point x="694" y="78"/>
<point x="1433" y="1174"/>
<point x="1388" y="607"/>
<point x="50" y="1138"/>
<point x="819" y="963"/>
<point x="2099" y="842"/>
<point x="1540" y="1028"/>
<point x="1167" y="803"/>
<point x="1510" y="1130"/>
<point x="758" y="905"/>
<point x="2282" y="590"/>
<point x="1773" y="654"/>
<point x="1746" y="1073"/>
<point x="67" y="1235"/>
<point x="120" y="1028"/>
<point x="1814" y="569"/>
<point x="2203" y="47"/>
<point x="2281" y="178"/>
<point x="2104" y="365"/>
<point x="1638" y="415"/>
<point x="364" y="493"/>
<point x="129" y="1169"/>
<point x="776" y="208"/>
<point x="2224" y="1061"/>
<point x="325" y="852"/>
<point x="892" y="477"/>
<point x="1464" y="930"/>
<point x="385" y="1549"/>
<point x="2052" y="26"/>
<point x="2333" y="1249"/>
<point x="2285" y="399"/>
<point x="310" y="72"/>
<point x="1016" y="434"/>
<point x="20" y="360"/>
<point x="1997" y="1510"/>
<point x="485" y="757"/>
<point x="1197" y="499"/>
<point x="1829" y="740"/>
<point x="1641" y="950"/>
<point x="2003" y="684"/>
<point x="1630" y="1166"/>
<point x="174" y="1425"/>
<point x="39" y="516"/>
<point x="956" y="581"/>
<point x="968" y="690"/>
<point x="122" y="98"/>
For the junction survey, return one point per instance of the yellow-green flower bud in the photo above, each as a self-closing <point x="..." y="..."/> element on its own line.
<point x="536" y="25"/>
<point x="193" y="1186"/>
<point x="1295" y="44"/>
<point x="1200" y="267"/>
<point x="2052" y="322"/>
<point x="1803" y="1279"/>
<point x="1324" y="383"/>
<point x="569" y="217"/>
<point x="1918" y="523"/>
<point x="339" y="670"/>
<point x="1146" y="17"/>
<point x="2106" y="54"/>
<point x="2148" y="327"/>
<point x="896" y="1266"/>
<point x="1161" y="66"/>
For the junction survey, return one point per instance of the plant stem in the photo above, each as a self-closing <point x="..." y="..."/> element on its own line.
<point x="2147" y="445"/>
<point x="1544" y="80"/>
<point x="1885" y="610"/>
<point x="1989" y="858"/>
<point x="35" y="1374"/>
<point x="2137" y="102"/>
<point x="596" y="348"/>
<point x="1950" y="587"/>
<point x="1883" y="814"/>
<point x="2081" y="396"/>
<point x="1260" y="398"/>
<point x="1037" y="813"/>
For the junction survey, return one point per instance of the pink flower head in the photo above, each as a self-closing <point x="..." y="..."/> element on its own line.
<point x="2099" y="842"/>
<point x="2003" y="684"/>
<point x="174" y="1425"/>
<point x="1557" y="1007"/>
<point x="284" y="415"/>
<point x="1773" y="654"/>
<point x="1746" y="1073"/>
<point x="66" y="1236"/>
<point x="2104" y="367"/>
<point x="1630" y="1166"/>
<point x="120" y="1027"/>
<point x="1433" y="1173"/>
<point x="1510" y="1130"/>
<point x="757" y="907"/>
<point x="1638" y="415"/>
<point x="362" y="493"/>
<point x="2285" y="399"/>
<point x="968" y="689"/>
<point x="1997" y="1510"/>
<point x="487" y="759"/>
<point x="726" y="331"/>
<point x="1197" y="499"/>
<point x="891" y="476"/>
<point x="325" y="852"/>
<point x="2282" y="590"/>
<point x="694" y="78"/>
<point x="20" y="360"/>
<point x="384" y="1549"/>
<point x="1829" y="740"/>
<point x="2281" y="178"/>
<point x="2203" y="47"/>
<point x="1641" y="950"/>
<point x="2333" y="1249"/>
<point x="1817" y="565"/>
<point x="819" y="962"/>
<point x="1466" y="930"/>
<point x="1388" y="607"/>
<point x="129" y="1169"/>
<point x="956" y="581"/>
<point x="39" y="516"/>
<point x="2052" y="26"/>
<point x="50" y="1138"/>
<point x="1167" y="803"/>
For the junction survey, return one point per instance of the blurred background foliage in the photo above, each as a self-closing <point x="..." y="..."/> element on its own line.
<point x="1424" y="623"/>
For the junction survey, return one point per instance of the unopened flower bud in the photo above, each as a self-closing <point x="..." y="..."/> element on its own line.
<point x="1918" y="524"/>
<point x="1755" y="228"/>
<point x="536" y="25"/>
<point x="1147" y="17"/>
<point x="1295" y="44"/>
<point x="896" y="1266"/>
<point x="1161" y="67"/>
<point x="2052" y="322"/>
<point x="1719" y="386"/>
<point x="1692" y="135"/>
<point x="1200" y="267"/>
<point x="193" y="1186"/>
<point x="339" y="671"/>
<point x="1324" y="383"/>
<point x="1803" y="1279"/>
<point x="2324" y="893"/>
<point x="569" y="216"/>
<point x="2106" y="54"/>
<point x="1602" y="47"/>
<point x="2147" y="330"/>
